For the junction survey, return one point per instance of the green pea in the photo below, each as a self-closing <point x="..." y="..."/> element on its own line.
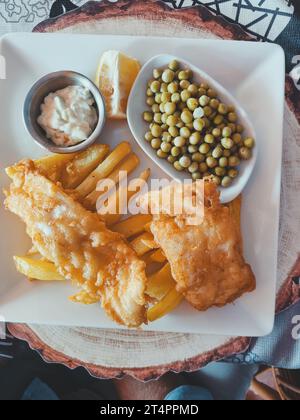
<point x="161" y="154"/>
<point x="171" y="159"/>
<point x="185" y="161"/>
<point x="232" y="126"/>
<point x="177" y="166"/>
<point x="204" y="100"/>
<point x="187" y="117"/>
<point x="223" y="162"/>
<point x="204" y="85"/>
<point x="150" y="101"/>
<point x="168" y="76"/>
<point x="211" y="93"/>
<point x="216" y="132"/>
<point x="220" y="171"/>
<point x="174" y="65"/>
<point x="157" y="118"/>
<point x="156" y="130"/>
<point x="172" y="120"/>
<point x="239" y="128"/>
<point x="196" y="175"/>
<point x="216" y="179"/>
<point x="192" y="149"/>
<point x="193" y="167"/>
<point x="155" y="86"/>
<point x="164" y="118"/>
<point x="198" y="113"/>
<point x="245" y="153"/>
<point x="173" y="131"/>
<point x="227" y="143"/>
<point x="158" y="98"/>
<point x="195" y="138"/>
<point x="211" y="162"/>
<point x="232" y="117"/>
<point x="164" y="87"/>
<point x="201" y="92"/>
<point x="175" y="151"/>
<point x="173" y="87"/>
<point x="209" y="138"/>
<point x="204" y="148"/>
<point x="199" y="124"/>
<point x="185" y="95"/>
<point x="166" y="147"/>
<point x="222" y="109"/>
<point x="249" y="142"/>
<point x="218" y="119"/>
<point x="233" y="161"/>
<point x="149" y="92"/>
<point x="203" y="167"/>
<point x="155" y="143"/>
<point x="184" y="84"/>
<point x="207" y="111"/>
<point x="237" y="138"/>
<point x="193" y="89"/>
<point x="226" y="153"/>
<point x="166" y="137"/>
<point x="170" y="108"/>
<point x="148" y="116"/>
<point x="226" y="181"/>
<point x="233" y="173"/>
<point x="165" y="97"/>
<point x="180" y="124"/>
<point x="185" y="132"/>
<point x="155" y="108"/>
<point x="198" y="157"/>
<point x="157" y="73"/>
<point x="217" y="152"/>
<point x="148" y="136"/>
<point x="226" y="132"/>
<point x="214" y="103"/>
<point x="192" y="104"/>
<point x="179" y="141"/>
<point x="176" y="98"/>
<point x="183" y="75"/>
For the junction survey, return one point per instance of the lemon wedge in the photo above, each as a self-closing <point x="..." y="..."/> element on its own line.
<point x="115" y="76"/>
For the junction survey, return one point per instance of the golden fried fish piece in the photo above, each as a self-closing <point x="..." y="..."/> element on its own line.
<point x="84" y="251"/>
<point x="206" y="259"/>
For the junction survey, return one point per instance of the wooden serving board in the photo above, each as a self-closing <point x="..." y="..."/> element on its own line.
<point x="146" y="355"/>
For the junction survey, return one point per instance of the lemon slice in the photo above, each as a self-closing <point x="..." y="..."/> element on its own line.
<point x="115" y="76"/>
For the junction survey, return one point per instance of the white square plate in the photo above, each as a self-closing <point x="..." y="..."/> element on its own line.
<point x="252" y="72"/>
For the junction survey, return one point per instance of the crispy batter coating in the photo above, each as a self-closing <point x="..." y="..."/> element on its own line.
<point x="84" y="251"/>
<point x="206" y="259"/>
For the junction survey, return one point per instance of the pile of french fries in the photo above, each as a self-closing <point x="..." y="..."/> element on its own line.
<point x="79" y="175"/>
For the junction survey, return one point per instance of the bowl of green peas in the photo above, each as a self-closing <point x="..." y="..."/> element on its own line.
<point x="191" y="126"/>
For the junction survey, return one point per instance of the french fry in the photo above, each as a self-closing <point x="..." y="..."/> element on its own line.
<point x="166" y="305"/>
<point x="37" y="269"/>
<point x="158" y="256"/>
<point x="133" y="225"/>
<point x="103" y="170"/>
<point x="85" y="298"/>
<point x="160" y="283"/>
<point x="50" y="166"/>
<point x="128" y="166"/>
<point x="143" y="244"/>
<point x="82" y="165"/>
<point x="53" y="165"/>
<point x="111" y="219"/>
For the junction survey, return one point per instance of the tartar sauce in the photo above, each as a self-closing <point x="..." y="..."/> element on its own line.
<point x="68" y="115"/>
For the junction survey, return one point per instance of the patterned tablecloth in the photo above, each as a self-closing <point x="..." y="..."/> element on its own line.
<point x="148" y="355"/>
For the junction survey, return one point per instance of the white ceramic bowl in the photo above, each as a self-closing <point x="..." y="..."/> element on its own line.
<point x="137" y="105"/>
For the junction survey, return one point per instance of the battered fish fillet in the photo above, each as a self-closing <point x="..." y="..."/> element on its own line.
<point x="206" y="259"/>
<point x="84" y="251"/>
